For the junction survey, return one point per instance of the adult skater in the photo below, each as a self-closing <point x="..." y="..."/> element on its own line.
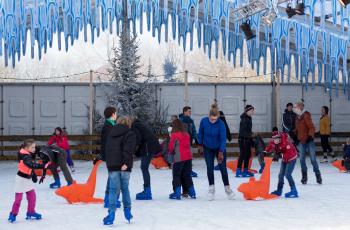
<point x="190" y="128"/>
<point x="289" y="117"/>
<point x="325" y="132"/>
<point x="148" y="146"/>
<point x="305" y="132"/>
<point x="245" y="142"/>
<point x="212" y="141"/>
<point x="110" y="113"/>
<point x="119" y="150"/>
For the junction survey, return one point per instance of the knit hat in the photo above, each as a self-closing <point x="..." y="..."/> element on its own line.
<point x="276" y="135"/>
<point x="248" y="107"/>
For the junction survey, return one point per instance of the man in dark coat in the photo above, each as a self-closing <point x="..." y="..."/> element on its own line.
<point x="148" y="146"/>
<point x="110" y="114"/>
<point x="289" y="117"/>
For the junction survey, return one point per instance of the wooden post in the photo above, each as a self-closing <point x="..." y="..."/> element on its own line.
<point x="186" y="99"/>
<point x="91" y="103"/>
<point x="278" y="100"/>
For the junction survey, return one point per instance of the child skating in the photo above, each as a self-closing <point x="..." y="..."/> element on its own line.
<point x="25" y="180"/>
<point x="281" y="144"/>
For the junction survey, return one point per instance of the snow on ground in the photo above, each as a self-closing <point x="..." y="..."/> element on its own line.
<point x="319" y="207"/>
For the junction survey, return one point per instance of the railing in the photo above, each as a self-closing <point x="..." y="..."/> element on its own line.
<point x="90" y="144"/>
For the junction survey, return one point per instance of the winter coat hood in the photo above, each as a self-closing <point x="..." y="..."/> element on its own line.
<point x="119" y="130"/>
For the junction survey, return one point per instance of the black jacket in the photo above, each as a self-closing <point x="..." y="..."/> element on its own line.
<point x="245" y="127"/>
<point x="120" y="147"/>
<point x="228" y="132"/>
<point x="29" y="161"/>
<point x="289" y="121"/>
<point x="147" y="142"/>
<point x="107" y="127"/>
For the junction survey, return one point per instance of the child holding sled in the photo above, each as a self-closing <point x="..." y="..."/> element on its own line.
<point x="25" y="180"/>
<point x="281" y="144"/>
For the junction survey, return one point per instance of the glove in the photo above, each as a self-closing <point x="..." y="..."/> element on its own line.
<point x="309" y="139"/>
<point x="97" y="158"/>
<point x="200" y="150"/>
<point x="275" y="157"/>
<point x="47" y="165"/>
<point x="41" y="180"/>
<point x="220" y="157"/>
<point x="34" y="178"/>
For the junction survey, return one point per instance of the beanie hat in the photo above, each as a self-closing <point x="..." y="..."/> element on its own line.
<point x="248" y="107"/>
<point x="276" y="135"/>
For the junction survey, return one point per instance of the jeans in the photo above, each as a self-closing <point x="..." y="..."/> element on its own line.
<point x="182" y="175"/>
<point x="119" y="181"/>
<point x="286" y="170"/>
<point x="312" y="151"/>
<point x="209" y="155"/>
<point x="145" y="162"/>
<point x="69" y="159"/>
<point x="245" y="146"/>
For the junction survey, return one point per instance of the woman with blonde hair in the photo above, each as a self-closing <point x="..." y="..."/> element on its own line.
<point x="212" y="142"/>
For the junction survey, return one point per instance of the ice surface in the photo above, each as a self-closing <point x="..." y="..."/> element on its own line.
<point x="319" y="207"/>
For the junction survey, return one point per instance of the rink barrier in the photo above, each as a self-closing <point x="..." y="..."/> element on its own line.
<point x="10" y="144"/>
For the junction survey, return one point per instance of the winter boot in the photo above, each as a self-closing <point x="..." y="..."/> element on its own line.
<point x="230" y="194"/>
<point x="56" y="184"/>
<point x="34" y="215"/>
<point x="211" y="192"/>
<point x="304" y="178"/>
<point x="192" y="192"/>
<point x="325" y="158"/>
<point x="239" y="173"/>
<point x="106" y="202"/>
<point x="292" y="194"/>
<point x="12" y="218"/>
<point x="109" y="219"/>
<point x="127" y="214"/>
<point x="217" y="167"/>
<point x="72" y="169"/>
<point x="194" y="174"/>
<point x="176" y="195"/>
<point x="334" y="157"/>
<point x="318" y="178"/>
<point x="261" y="170"/>
<point x="278" y="192"/>
<point x="246" y="173"/>
<point x="145" y="195"/>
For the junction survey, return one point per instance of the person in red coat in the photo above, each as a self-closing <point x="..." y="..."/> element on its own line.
<point x="180" y="147"/>
<point x="280" y="144"/>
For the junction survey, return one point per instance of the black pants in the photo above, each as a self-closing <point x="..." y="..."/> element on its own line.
<point x="326" y="147"/>
<point x="59" y="158"/>
<point x="245" y="146"/>
<point x="182" y="174"/>
<point x="145" y="162"/>
<point x="346" y="163"/>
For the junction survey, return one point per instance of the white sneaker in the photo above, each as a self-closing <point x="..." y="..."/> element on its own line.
<point x="230" y="194"/>
<point x="211" y="193"/>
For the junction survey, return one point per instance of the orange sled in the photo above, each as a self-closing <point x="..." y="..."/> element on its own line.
<point x="159" y="163"/>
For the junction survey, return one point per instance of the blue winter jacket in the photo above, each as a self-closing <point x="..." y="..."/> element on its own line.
<point x="190" y="127"/>
<point x="212" y="135"/>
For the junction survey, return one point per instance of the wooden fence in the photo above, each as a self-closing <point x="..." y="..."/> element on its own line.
<point x="89" y="144"/>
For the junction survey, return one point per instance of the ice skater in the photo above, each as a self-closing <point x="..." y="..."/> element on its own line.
<point x="120" y="148"/>
<point x="280" y="144"/>
<point x="212" y="142"/>
<point x="180" y="148"/>
<point x="325" y="132"/>
<point x="25" y="180"/>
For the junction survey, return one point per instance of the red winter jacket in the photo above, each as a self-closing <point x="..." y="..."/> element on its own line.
<point x="287" y="148"/>
<point x="60" y="141"/>
<point x="179" y="146"/>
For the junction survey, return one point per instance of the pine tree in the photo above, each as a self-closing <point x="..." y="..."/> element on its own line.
<point x="133" y="96"/>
